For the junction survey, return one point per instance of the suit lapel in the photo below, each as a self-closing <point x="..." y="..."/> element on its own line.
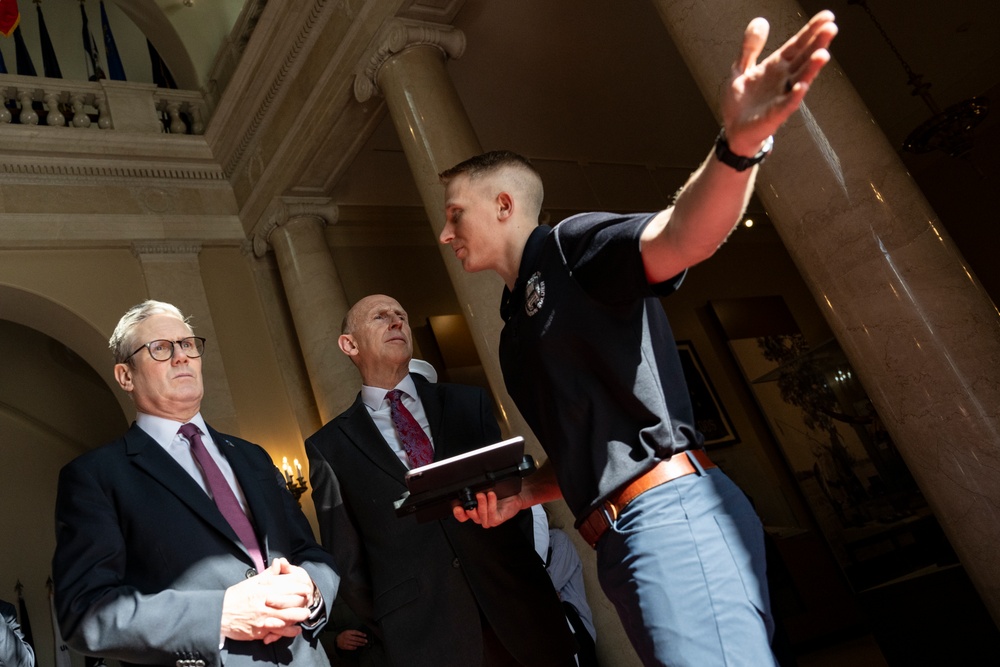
<point x="358" y="426"/>
<point x="259" y="488"/>
<point x="153" y="460"/>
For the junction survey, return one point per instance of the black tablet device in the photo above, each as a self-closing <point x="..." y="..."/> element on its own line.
<point x="433" y="489"/>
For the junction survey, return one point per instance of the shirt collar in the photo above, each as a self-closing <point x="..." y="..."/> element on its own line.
<point x="529" y="259"/>
<point x="374" y="397"/>
<point x="164" y="430"/>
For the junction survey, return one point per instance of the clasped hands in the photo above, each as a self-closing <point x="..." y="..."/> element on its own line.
<point x="268" y="606"/>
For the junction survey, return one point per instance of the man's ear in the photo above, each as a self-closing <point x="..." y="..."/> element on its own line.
<point x="347" y="345"/>
<point x="123" y="374"/>
<point x="505" y="206"/>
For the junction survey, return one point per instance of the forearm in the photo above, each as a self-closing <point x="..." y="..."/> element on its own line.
<point x="756" y="100"/>
<point x="540" y="487"/>
<point x="704" y="214"/>
<point x="130" y="627"/>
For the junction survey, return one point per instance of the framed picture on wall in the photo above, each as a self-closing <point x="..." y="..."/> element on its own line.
<point x="709" y="415"/>
<point x="852" y="477"/>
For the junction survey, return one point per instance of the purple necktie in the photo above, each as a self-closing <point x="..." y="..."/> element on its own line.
<point x="223" y="494"/>
<point x="415" y="441"/>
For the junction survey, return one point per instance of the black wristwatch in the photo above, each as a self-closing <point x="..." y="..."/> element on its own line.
<point x="739" y="162"/>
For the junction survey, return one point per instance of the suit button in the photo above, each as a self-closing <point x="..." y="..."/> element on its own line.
<point x="251" y="573"/>
<point x="455" y="564"/>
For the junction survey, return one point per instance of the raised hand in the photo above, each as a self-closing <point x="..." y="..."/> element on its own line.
<point x="761" y="96"/>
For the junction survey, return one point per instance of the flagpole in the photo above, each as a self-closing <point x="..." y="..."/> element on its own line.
<point x="62" y="657"/>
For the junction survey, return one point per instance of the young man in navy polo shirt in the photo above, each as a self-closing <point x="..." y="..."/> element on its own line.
<point x="589" y="359"/>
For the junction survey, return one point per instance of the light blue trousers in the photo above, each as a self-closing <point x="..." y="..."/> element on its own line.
<point x="684" y="566"/>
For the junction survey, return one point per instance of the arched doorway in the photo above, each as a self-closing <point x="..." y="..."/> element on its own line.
<point x="55" y="404"/>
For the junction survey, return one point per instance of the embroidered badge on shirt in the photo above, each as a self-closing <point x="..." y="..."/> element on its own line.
<point x="534" y="294"/>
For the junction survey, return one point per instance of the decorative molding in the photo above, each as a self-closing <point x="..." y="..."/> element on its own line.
<point x="116" y="230"/>
<point x="291" y="56"/>
<point x="77" y="171"/>
<point x="397" y="35"/>
<point x="438" y="11"/>
<point x="153" y="200"/>
<point x="160" y="248"/>
<point x="283" y="209"/>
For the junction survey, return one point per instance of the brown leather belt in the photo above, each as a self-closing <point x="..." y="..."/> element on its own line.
<point x="678" y="465"/>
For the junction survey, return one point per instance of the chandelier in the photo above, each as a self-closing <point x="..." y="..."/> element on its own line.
<point x="949" y="130"/>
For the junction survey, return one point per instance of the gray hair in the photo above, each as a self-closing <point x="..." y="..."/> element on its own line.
<point x="122" y="341"/>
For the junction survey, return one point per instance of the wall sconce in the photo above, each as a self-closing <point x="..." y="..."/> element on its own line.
<point x="294" y="480"/>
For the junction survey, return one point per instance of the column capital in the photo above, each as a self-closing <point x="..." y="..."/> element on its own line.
<point x="140" y="248"/>
<point x="285" y="209"/>
<point x="397" y="35"/>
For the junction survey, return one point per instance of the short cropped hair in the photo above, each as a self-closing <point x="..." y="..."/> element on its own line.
<point x="122" y="341"/>
<point x="487" y="163"/>
<point x="517" y="170"/>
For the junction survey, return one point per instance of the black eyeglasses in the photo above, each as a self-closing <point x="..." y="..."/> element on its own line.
<point x="162" y="350"/>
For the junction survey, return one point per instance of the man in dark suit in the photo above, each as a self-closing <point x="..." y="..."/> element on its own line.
<point x="423" y="582"/>
<point x="163" y="534"/>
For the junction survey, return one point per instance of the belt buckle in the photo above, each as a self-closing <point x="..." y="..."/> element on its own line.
<point x="610" y="512"/>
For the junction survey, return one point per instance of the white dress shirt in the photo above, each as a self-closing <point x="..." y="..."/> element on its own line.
<point x="164" y="432"/>
<point x="375" y="400"/>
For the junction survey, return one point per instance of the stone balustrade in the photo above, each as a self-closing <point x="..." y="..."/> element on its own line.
<point x="105" y="105"/>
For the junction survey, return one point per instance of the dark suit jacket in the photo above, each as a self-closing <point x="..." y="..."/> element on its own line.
<point x="143" y="556"/>
<point x="425" y="584"/>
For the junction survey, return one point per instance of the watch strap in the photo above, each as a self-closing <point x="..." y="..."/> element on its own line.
<point x="739" y="162"/>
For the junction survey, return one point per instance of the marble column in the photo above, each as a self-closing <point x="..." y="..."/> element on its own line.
<point x="914" y="321"/>
<point x="407" y="66"/>
<point x="173" y="275"/>
<point x="294" y="228"/>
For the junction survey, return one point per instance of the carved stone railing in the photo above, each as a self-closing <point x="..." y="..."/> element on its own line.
<point x="105" y="105"/>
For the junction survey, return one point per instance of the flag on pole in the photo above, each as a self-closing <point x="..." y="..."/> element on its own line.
<point x="115" y="69"/>
<point x="161" y="73"/>
<point x="3" y="65"/>
<point x="24" y="65"/>
<point x="94" y="71"/>
<point x="49" y="63"/>
<point x="62" y="651"/>
<point x="22" y="612"/>
<point x="10" y="16"/>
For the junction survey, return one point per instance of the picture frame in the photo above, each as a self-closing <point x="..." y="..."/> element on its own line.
<point x="710" y="416"/>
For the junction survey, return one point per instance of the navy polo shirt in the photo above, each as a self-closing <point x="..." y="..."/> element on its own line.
<point x="589" y="358"/>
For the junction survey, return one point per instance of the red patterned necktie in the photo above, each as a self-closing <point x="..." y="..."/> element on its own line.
<point x="415" y="441"/>
<point x="223" y="494"/>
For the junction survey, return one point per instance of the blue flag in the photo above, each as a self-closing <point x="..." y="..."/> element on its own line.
<point x="24" y="65"/>
<point x="115" y="69"/>
<point x="49" y="63"/>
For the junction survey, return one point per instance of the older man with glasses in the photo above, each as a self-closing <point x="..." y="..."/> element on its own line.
<point x="176" y="544"/>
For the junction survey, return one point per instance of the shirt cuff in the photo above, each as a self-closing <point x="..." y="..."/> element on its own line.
<point x="317" y="612"/>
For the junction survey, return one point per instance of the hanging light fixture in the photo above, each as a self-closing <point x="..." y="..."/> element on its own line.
<point x="949" y="130"/>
